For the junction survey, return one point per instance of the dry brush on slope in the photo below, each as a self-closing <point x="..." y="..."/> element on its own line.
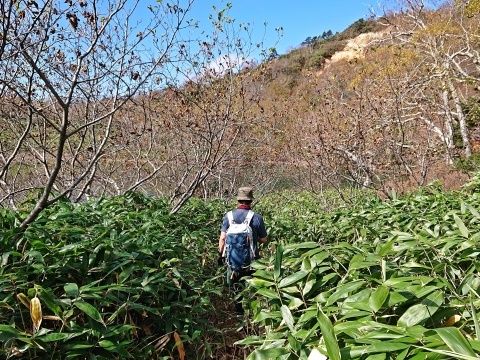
<point x="390" y="114"/>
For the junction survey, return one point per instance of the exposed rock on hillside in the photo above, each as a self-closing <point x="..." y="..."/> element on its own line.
<point x="355" y="47"/>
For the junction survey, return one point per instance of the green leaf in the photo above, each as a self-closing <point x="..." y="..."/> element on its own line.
<point x="8" y="332"/>
<point x="377" y="357"/>
<point x="119" y="310"/>
<point x="49" y="301"/>
<point x="267" y="354"/>
<point x="357" y="258"/>
<point x="56" y="337"/>
<point x="89" y="310"/>
<point x="295" y="303"/>
<point x="260" y="282"/>
<point x="308" y="286"/>
<point x="71" y="289"/>
<point x="251" y="340"/>
<point x="414" y="315"/>
<point x="387" y="247"/>
<point x="475" y="318"/>
<point x="263" y="315"/>
<point x="306" y="264"/>
<point x="343" y="291"/>
<point x="307" y="315"/>
<point x="268" y="293"/>
<point x="80" y="345"/>
<point x="378" y="297"/>
<point x="434" y="300"/>
<point x="383" y="265"/>
<point x="5" y="256"/>
<point x="401" y="282"/>
<point x="287" y="317"/>
<point x="472" y="210"/>
<point x="386" y="347"/>
<point x="278" y="262"/>
<point x="418" y="313"/>
<point x="454" y="339"/>
<point x="292" y="278"/>
<point x="403" y="236"/>
<point x="300" y="245"/>
<point x="125" y="273"/>
<point x="444" y="354"/>
<point x="3" y="304"/>
<point x="461" y="226"/>
<point x="328" y="334"/>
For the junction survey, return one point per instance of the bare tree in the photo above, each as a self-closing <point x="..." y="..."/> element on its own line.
<point x="371" y="120"/>
<point x="98" y="102"/>
<point x="66" y="68"/>
<point x="390" y="118"/>
<point x="445" y="41"/>
<point x="196" y="136"/>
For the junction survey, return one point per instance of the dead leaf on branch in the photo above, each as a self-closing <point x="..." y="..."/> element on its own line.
<point x="179" y="345"/>
<point x="135" y="75"/>
<point x="36" y="313"/>
<point x="32" y="3"/>
<point x="73" y="19"/>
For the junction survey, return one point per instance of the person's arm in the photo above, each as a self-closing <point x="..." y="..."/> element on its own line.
<point x="223" y="235"/>
<point x="221" y="247"/>
<point x="262" y="232"/>
<point x="221" y="242"/>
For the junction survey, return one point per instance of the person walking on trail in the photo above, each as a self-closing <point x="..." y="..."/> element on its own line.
<point x="242" y="231"/>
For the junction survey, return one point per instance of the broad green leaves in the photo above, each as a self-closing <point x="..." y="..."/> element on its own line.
<point x="456" y="341"/>
<point x="90" y="310"/>
<point x="378" y="297"/>
<point x="328" y="333"/>
<point x="112" y="274"/>
<point x="421" y="312"/>
<point x="383" y="278"/>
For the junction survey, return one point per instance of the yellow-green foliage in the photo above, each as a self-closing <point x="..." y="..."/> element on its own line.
<point x="472" y="7"/>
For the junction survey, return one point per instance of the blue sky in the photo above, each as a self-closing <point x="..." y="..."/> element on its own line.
<point x="299" y="18"/>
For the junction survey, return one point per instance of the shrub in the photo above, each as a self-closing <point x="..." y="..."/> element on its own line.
<point x="116" y="277"/>
<point x="394" y="279"/>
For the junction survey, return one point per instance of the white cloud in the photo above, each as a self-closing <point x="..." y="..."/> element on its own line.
<point x="230" y="62"/>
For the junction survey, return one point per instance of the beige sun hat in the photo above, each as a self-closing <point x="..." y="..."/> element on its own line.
<point x="245" y="193"/>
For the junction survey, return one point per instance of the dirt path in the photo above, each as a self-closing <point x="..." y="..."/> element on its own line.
<point x="231" y="327"/>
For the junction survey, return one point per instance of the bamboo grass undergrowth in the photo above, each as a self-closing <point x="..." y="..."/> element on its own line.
<point x="121" y="278"/>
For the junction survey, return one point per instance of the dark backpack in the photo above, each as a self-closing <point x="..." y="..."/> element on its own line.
<point x="240" y="251"/>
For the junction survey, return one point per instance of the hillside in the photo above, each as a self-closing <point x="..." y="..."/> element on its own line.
<point x="374" y="110"/>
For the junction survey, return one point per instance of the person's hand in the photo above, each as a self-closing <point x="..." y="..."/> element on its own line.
<point x="220" y="259"/>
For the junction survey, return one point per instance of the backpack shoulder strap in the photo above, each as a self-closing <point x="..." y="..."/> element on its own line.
<point x="249" y="217"/>
<point x="230" y="218"/>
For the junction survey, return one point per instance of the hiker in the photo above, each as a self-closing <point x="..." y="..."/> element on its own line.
<point x="242" y="231"/>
